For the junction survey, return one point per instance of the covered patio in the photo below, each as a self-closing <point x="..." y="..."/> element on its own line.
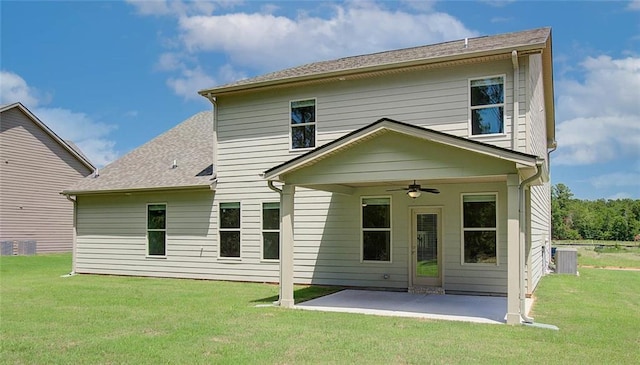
<point x="370" y="161"/>
<point x="465" y="308"/>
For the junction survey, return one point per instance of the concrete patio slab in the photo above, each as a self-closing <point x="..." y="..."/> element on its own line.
<point x="478" y="309"/>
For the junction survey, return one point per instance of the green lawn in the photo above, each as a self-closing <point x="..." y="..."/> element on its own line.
<point x="606" y="253"/>
<point x="85" y="319"/>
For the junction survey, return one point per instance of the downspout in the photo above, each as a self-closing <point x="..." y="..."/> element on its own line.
<point x="272" y="187"/>
<point x="214" y="103"/>
<point x="279" y="191"/>
<point x="75" y="233"/>
<point x="524" y="184"/>
<point x="547" y="249"/>
<point x="516" y="105"/>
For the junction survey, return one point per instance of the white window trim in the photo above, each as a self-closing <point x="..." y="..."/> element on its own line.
<point x="223" y="258"/>
<point x="503" y="104"/>
<point x="390" y="229"/>
<point x="496" y="229"/>
<point x="290" y="126"/>
<point x="262" y="230"/>
<point x="166" y="228"/>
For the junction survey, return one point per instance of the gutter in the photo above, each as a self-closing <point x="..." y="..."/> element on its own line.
<point x="208" y="186"/>
<point x="364" y="70"/>
<point x="525" y="184"/>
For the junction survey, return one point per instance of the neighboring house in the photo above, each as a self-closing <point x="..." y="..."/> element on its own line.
<point x="310" y="167"/>
<point x="35" y="165"/>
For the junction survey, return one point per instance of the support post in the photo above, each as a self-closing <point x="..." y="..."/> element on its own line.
<point x="286" y="247"/>
<point x="513" y="248"/>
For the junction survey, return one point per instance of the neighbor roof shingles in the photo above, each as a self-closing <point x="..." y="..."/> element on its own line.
<point x="506" y="42"/>
<point x="149" y="166"/>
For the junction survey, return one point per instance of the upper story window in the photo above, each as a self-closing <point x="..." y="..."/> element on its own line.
<point x="303" y="124"/>
<point x="487" y="105"/>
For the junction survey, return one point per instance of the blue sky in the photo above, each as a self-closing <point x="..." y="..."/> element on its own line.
<point x="112" y="75"/>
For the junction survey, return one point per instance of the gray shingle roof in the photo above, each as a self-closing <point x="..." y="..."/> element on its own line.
<point x="529" y="39"/>
<point x="149" y="166"/>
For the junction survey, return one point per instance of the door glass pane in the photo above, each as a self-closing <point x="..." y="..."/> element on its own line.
<point x="427" y="245"/>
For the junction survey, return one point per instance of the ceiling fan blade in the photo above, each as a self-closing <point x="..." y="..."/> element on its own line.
<point x="401" y="189"/>
<point x="430" y="190"/>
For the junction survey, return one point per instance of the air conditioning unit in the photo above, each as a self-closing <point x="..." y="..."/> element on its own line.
<point x="567" y="260"/>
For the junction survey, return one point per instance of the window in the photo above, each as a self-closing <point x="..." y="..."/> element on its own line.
<point x="229" y="229"/>
<point x="303" y="124"/>
<point x="270" y="231"/>
<point x="156" y="229"/>
<point x="479" y="226"/>
<point x="487" y="105"/>
<point x="376" y="229"/>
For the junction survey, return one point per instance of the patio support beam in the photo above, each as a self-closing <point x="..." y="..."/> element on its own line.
<point x="286" y="247"/>
<point x="513" y="257"/>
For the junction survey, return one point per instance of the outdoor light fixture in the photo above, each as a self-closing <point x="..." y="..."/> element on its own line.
<point x="415" y="190"/>
<point x="414" y="193"/>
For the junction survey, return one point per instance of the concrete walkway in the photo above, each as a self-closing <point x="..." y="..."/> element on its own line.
<point x="479" y="309"/>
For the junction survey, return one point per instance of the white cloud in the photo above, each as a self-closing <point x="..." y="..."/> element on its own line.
<point x="189" y="82"/>
<point x="599" y="115"/>
<point x="634" y="5"/>
<point x="261" y="41"/>
<point x="585" y="141"/>
<point x="267" y="42"/>
<point x="14" y="88"/>
<point x="90" y="136"/>
<point x="172" y="7"/>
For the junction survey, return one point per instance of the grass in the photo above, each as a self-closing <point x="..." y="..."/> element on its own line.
<point x="606" y="254"/>
<point x="89" y="319"/>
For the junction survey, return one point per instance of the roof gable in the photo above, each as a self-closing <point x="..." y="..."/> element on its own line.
<point x="386" y="125"/>
<point x="69" y="147"/>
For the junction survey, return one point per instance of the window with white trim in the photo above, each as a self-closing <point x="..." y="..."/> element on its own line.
<point x="156" y="229"/>
<point x="303" y="124"/>
<point x="487" y="105"/>
<point x="376" y="229"/>
<point x="271" y="231"/>
<point x="480" y="228"/>
<point x="229" y="229"/>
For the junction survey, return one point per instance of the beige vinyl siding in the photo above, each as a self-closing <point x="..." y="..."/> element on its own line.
<point x="521" y="138"/>
<point x="540" y="195"/>
<point x="112" y="238"/>
<point x="253" y="136"/>
<point x="34" y="169"/>
<point x="327" y="249"/>
<point x="436" y="99"/>
<point x="540" y="233"/>
<point x="393" y="156"/>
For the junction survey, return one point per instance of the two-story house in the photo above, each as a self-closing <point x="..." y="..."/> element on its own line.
<point x="35" y="165"/>
<point x="416" y="169"/>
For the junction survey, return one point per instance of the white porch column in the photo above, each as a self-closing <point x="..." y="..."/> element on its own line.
<point x="286" y="247"/>
<point x="513" y="248"/>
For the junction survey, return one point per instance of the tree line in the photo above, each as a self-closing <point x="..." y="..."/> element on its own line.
<point x="609" y="220"/>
